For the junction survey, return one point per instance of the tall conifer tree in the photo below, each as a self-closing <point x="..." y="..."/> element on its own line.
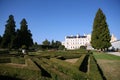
<point x="25" y="34"/>
<point x="0" y="40"/>
<point x="9" y="33"/>
<point x="100" y="38"/>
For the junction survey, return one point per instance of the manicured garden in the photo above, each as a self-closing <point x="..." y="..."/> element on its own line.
<point x="52" y="65"/>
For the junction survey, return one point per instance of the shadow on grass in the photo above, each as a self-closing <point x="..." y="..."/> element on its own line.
<point x="8" y="78"/>
<point x="44" y="72"/>
<point x="83" y="66"/>
<point x="100" y="70"/>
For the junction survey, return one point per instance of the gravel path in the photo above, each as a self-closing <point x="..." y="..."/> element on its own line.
<point x="114" y="53"/>
<point x="72" y="60"/>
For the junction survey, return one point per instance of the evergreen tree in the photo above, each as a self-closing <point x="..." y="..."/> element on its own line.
<point x="53" y="44"/>
<point x="9" y="33"/>
<point x="0" y="40"/>
<point x="100" y="38"/>
<point x="61" y="47"/>
<point x="57" y="44"/>
<point x="17" y="40"/>
<point x="24" y="35"/>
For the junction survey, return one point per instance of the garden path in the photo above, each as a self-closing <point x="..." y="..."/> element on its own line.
<point x="114" y="53"/>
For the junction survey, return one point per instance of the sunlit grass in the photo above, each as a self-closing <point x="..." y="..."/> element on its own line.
<point x="106" y="56"/>
<point x="109" y="64"/>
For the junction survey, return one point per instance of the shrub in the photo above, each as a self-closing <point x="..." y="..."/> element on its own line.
<point x="94" y="73"/>
<point x="5" y="60"/>
<point x="51" y="69"/>
<point x="18" y="60"/>
<point x="31" y="64"/>
<point x="21" y="73"/>
<point x="70" y="55"/>
<point x="68" y="69"/>
<point x="83" y="47"/>
<point x="79" y="61"/>
<point x="4" y="51"/>
<point x="28" y="72"/>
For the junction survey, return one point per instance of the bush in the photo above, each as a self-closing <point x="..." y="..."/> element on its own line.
<point x="5" y="60"/>
<point x="28" y="72"/>
<point x="83" y="47"/>
<point x="4" y="52"/>
<point x="79" y="61"/>
<point x="69" y="69"/>
<point x="61" y="47"/>
<point x="31" y="65"/>
<point x="70" y="55"/>
<point x="51" y="69"/>
<point x="18" y="60"/>
<point x="94" y="73"/>
<point x="21" y="73"/>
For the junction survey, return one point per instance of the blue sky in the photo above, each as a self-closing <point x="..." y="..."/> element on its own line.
<point x="55" y="19"/>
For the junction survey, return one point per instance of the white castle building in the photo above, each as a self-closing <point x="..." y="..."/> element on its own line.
<point x="74" y="42"/>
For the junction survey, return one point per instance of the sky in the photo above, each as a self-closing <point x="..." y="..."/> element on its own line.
<point x="55" y="19"/>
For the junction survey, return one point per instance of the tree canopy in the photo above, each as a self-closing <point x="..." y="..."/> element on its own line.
<point x="23" y="36"/>
<point x="16" y="38"/>
<point x="0" y="40"/>
<point x="52" y="45"/>
<point x="9" y="33"/>
<point x="100" y="38"/>
<point x="46" y="42"/>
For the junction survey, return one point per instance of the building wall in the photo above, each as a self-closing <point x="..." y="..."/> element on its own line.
<point x="74" y="42"/>
<point x="115" y="44"/>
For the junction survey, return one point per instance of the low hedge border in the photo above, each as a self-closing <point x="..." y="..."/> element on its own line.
<point x="69" y="69"/>
<point x="55" y="74"/>
<point x="79" y="61"/>
<point x="94" y="73"/>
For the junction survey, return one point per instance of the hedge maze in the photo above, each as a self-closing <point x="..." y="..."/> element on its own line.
<point x="50" y="66"/>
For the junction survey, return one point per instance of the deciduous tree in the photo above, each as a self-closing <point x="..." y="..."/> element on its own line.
<point x="46" y="42"/>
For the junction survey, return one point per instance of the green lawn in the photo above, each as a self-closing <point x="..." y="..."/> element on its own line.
<point x="106" y="56"/>
<point x="110" y="65"/>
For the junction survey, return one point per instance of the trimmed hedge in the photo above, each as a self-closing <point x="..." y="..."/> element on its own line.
<point x="18" y="60"/>
<point x="84" y="65"/>
<point x="69" y="54"/>
<point x="79" y="61"/>
<point x="55" y="74"/>
<point x="27" y="72"/>
<point x="4" y="52"/>
<point x="21" y="73"/>
<point x="31" y="65"/>
<point x="94" y="73"/>
<point x="68" y="69"/>
<point x="5" y="60"/>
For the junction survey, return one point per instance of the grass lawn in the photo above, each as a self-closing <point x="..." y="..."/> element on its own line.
<point x="110" y="65"/>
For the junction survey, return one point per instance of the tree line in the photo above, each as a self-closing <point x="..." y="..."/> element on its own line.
<point x="49" y="45"/>
<point x="22" y="38"/>
<point x="14" y="39"/>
